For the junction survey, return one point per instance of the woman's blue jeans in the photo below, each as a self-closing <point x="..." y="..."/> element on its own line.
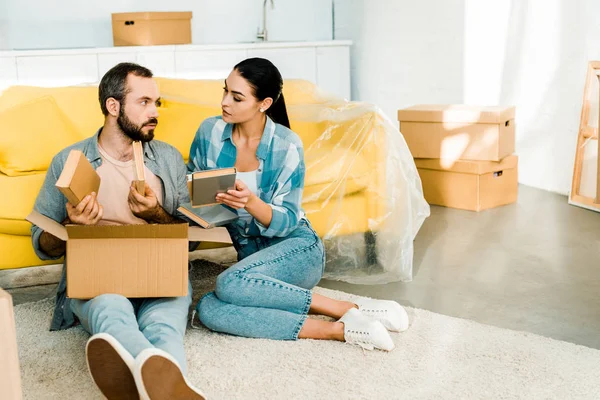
<point x="267" y="294"/>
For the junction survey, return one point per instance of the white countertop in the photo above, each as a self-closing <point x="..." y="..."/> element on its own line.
<point x="176" y="48"/>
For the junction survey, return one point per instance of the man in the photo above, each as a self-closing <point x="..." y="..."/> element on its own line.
<point x="136" y="350"/>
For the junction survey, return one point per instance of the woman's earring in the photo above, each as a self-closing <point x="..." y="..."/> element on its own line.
<point x="262" y="110"/>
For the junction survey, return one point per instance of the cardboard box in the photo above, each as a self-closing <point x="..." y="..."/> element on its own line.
<point x="469" y="185"/>
<point x="10" y="374"/>
<point x="151" y="28"/>
<point x="454" y="132"/>
<point x="132" y="260"/>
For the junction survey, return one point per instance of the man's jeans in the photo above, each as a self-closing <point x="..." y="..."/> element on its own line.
<point x="138" y="324"/>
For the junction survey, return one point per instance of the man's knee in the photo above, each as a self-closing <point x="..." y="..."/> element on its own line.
<point x="108" y="303"/>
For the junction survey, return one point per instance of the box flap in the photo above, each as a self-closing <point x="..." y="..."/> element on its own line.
<point x="456" y="113"/>
<point x="48" y="225"/>
<point x="217" y="235"/>
<point x="141" y="231"/>
<point x="150" y="15"/>
<point x="467" y="167"/>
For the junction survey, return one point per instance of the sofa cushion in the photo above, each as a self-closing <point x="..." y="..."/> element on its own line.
<point x="178" y="123"/>
<point x="308" y="131"/>
<point x="15" y="227"/>
<point x="17" y="204"/>
<point x="333" y="172"/>
<point x="17" y="252"/>
<point x="338" y="218"/>
<point x="78" y="103"/>
<point x="31" y="134"/>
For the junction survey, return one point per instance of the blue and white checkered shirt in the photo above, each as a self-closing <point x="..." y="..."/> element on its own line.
<point x="280" y="172"/>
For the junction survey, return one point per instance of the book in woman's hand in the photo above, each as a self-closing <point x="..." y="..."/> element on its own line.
<point x="208" y="216"/>
<point x="205" y="185"/>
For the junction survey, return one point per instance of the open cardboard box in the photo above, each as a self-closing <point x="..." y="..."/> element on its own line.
<point x="132" y="260"/>
<point x="10" y="374"/>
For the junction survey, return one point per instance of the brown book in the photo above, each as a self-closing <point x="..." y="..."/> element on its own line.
<point x="78" y="178"/>
<point x="206" y="185"/>
<point x="138" y="167"/>
<point x="208" y="217"/>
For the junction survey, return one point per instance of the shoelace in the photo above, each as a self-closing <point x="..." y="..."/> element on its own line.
<point x="380" y="314"/>
<point x="375" y="313"/>
<point x="361" y="338"/>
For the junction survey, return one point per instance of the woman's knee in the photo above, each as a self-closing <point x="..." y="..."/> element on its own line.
<point x="224" y="289"/>
<point x="206" y="309"/>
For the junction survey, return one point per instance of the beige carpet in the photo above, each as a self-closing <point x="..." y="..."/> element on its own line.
<point x="439" y="357"/>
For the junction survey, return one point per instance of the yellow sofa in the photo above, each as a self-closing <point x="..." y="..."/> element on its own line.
<point x="347" y="184"/>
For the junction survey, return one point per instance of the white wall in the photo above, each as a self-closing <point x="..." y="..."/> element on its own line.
<point x="529" y="53"/>
<point x="404" y="51"/>
<point x="3" y="25"/>
<point x="536" y="58"/>
<point x="40" y="24"/>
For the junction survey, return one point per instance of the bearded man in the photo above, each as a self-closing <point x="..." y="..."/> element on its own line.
<point x="136" y="350"/>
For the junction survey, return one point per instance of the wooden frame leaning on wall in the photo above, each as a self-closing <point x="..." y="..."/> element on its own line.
<point x="585" y="187"/>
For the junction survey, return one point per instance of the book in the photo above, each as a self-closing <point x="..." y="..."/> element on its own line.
<point x="138" y="167"/>
<point x="208" y="216"/>
<point x="207" y="184"/>
<point x="78" y="178"/>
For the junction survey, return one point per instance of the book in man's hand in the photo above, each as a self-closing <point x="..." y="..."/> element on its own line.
<point x="138" y="168"/>
<point x="78" y="178"/>
<point x="208" y="216"/>
<point x="205" y="185"/>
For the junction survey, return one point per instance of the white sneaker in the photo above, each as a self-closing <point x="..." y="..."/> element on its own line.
<point x="391" y="314"/>
<point x="111" y="366"/>
<point x="365" y="332"/>
<point x="159" y="377"/>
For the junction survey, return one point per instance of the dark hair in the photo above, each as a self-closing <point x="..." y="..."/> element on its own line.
<point x="114" y="82"/>
<point x="264" y="78"/>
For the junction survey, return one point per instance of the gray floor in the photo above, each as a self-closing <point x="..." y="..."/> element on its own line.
<point x="532" y="266"/>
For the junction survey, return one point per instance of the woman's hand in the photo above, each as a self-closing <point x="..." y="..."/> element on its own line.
<point x="237" y="198"/>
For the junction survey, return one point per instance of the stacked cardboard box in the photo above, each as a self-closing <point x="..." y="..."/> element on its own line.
<point x="463" y="154"/>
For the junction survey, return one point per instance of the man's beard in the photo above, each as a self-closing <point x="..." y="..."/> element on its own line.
<point x="133" y="131"/>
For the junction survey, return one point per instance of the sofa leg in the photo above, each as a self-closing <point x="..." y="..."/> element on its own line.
<point x="371" y="248"/>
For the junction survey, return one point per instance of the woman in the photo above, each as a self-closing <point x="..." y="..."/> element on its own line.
<point x="268" y="293"/>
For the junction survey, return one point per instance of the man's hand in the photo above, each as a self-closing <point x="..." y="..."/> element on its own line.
<point x="145" y="207"/>
<point x="237" y="198"/>
<point x="87" y="212"/>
